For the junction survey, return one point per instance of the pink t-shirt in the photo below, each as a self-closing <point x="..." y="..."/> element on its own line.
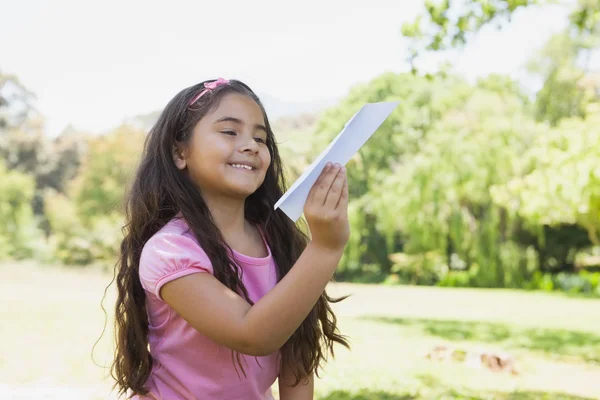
<point x="187" y="364"/>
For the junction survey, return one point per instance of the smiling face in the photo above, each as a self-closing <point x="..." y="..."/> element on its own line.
<point x="227" y="154"/>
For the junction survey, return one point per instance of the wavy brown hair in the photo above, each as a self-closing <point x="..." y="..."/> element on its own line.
<point x="158" y="192"/>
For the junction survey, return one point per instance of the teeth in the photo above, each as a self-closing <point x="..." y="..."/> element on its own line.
<point x="241" y="166"/>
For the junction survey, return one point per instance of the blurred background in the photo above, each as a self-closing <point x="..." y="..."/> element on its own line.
<point x="475" y="209"/>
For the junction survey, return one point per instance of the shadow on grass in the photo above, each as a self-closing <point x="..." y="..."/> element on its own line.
<point x="365" y="394"/>
<point x="450" y="394"/>
<point x="565" y="343"/>
<point x="432" y="388"/>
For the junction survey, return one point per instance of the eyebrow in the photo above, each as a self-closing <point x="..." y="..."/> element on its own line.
<point x="240" y="122"/>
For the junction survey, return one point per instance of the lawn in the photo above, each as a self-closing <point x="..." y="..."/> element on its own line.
<point x="51" y="317"/>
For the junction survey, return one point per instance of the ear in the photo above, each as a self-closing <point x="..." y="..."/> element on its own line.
<point x="179" y="156"/>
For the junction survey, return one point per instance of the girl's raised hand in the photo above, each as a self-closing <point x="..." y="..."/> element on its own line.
<point x="326" y="208"/>
<point x="264" y="327"/>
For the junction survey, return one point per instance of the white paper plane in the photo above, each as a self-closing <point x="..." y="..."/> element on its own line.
<point x="353" y="136"/>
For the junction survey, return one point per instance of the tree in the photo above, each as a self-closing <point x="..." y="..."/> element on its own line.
<point x="86" y="221"/>
<point x="16" y="103"/>
<point x="24" y="147"/>
<point x="98" y="189"/>
<point x="397" y="140"/>
<point x="449" y="24"/>
<point x="18" y="232"/>
<point x="562" y="181"/>
<point x="439" y="196"/>
<point x="541" y="197"/>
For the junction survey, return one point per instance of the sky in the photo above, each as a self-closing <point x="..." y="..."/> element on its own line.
<point x="94" y="64"/>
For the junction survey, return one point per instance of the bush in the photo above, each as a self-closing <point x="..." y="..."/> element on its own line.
<point x="98" y="244"/>
<point x="541" y="282"/>
<point x="575" y="283"/>
<point x="418" y="269"/>
<point x="77" y="243"/>
<point x="19" y="233"/>
<point x="582" y="283"/>
<point x="456" y="279"/>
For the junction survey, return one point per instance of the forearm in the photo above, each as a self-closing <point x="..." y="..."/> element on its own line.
<point x="303" y="391"/>
<point x="275" y="317"/>
<point x="224" y="316"/>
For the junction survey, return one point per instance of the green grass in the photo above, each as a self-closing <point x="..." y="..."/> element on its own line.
<point x="51" y="317"/>
<point x="553" y="343"/>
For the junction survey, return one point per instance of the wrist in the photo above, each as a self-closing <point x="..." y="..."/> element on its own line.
<point x="327" y="253"/>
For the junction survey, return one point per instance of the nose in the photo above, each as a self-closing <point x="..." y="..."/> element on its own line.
<point x="249" y="144"/>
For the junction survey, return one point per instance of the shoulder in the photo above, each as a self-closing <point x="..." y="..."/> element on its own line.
<point x="171" y="253"/>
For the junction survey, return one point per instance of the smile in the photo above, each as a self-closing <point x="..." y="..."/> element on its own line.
<point x="242" y="166"/>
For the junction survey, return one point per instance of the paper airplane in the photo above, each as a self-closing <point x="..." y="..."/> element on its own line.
<point x="353" y="136"/>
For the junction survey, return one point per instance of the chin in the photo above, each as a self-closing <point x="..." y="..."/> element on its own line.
<point x="243" y="188"/>
<point x="242" y="192"/>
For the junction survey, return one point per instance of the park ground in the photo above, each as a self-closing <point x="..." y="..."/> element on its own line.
<point x="51" y="317"/>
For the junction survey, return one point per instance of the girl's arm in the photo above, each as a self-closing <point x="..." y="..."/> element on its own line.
<point x="303" y="391"/>
<point x="259" y="330"/>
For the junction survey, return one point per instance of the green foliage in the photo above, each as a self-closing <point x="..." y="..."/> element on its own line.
<point x="19" y="236"/>
<point x="562" y="179"/>
<point x="446" y="24"/>
<point x="431" y="180"/>
<point x="24" y="147"/>
<point x="442" y="191"/>
<point x="86" y="222"/>
<point x="586" y="21"/>
<point x="422" y="103"/>
<point x="499" y="206"/>
<point x="16" y="108"/>
<point x="51" y="162"/>
<point x="76" y="243"/>
<point x="561" y="64"/>
<point x="563" y="94"/>
<point x="582" y="283"/>
<point x="109" y="165"/>
<point x="585" y="283"/>
<point x="418" y="269"/>
<point x="456" y="279"/>
<point x="463" y="185"/>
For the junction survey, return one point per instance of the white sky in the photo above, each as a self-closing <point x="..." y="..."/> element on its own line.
<point x="93" y="64"/>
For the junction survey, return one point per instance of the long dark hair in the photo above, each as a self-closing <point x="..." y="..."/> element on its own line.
<point x="158" y="192"/>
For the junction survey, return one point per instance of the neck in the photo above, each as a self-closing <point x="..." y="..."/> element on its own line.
<point x="228" y="214"/>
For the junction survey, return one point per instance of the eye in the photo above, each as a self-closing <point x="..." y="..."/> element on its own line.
<point x="260" y="140"/>
<point x="230" y="133"/>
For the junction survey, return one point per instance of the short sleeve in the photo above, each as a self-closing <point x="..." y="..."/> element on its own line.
<point x="169" y="256"/>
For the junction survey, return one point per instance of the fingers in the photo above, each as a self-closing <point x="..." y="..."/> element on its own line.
<point x="323" y="185"/>
<point x="335" y="192"/>
<point x="343" y="201"/>
<point x="315" y="186"/>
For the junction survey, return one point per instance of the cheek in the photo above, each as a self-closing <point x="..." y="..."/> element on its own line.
<point x="267" y="159"/>
<point x="209" y="152"/>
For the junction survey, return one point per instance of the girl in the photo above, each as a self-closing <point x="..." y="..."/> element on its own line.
<point x="218" y="294"/>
